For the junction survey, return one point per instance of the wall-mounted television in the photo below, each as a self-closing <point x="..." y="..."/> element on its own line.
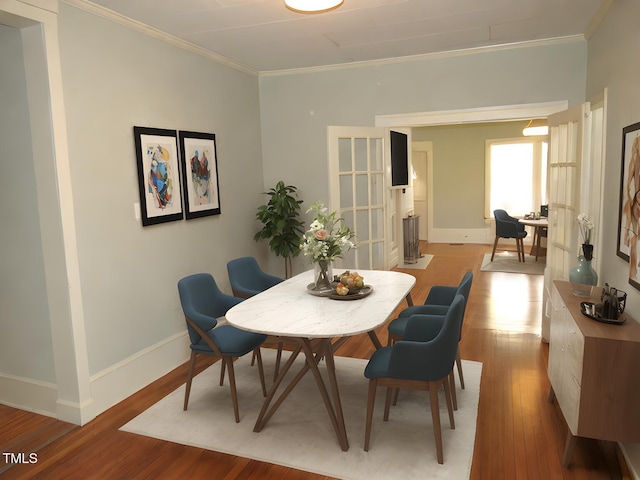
<point x="399" y="159"/>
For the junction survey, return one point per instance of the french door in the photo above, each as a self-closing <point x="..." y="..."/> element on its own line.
<point x="569" y="138"/>
<point x="575" y="167"/>
<point x="357" y="190"/>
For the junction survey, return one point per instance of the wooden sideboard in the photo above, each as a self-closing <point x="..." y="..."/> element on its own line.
<point x="594" y="371"/>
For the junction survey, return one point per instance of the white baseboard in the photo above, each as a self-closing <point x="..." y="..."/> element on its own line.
<point x="484" y="236"/>
<point x="108" y="387"/>
<point x="74" y="412"/>
<point x="28" y="394"/>
<point x="631" y="453"/>
<point x="461" y="235"/>
<point x="123" y="379"/>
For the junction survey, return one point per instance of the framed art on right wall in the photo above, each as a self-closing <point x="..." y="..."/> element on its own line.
<point x="629" y="208"/>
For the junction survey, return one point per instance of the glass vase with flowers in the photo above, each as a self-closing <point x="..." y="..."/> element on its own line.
<point x="328" y="238"/>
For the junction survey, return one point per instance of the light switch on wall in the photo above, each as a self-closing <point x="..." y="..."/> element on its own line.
<point x="136" y="210"/>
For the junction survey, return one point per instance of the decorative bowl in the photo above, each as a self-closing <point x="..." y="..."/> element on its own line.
<point x="350" y="280"/>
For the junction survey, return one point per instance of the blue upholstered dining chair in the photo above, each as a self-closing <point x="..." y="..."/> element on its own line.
<point x="437" y="302"/>
<point x="203" y="303"/>
<point x="247" y="279"/>
<point x="509" y="227"/>
<point x="422" y="360"/>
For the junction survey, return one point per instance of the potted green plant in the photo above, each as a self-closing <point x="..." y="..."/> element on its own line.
<point x="281" y="225"/>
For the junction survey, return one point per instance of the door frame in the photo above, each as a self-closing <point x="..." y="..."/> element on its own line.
<point x="38" y="24"/>
<point x="427" y="147"/>
<point x="472" y="115"/>
<point x="467" y="115"/>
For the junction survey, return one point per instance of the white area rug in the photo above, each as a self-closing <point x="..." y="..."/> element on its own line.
<point x="423" y="262"/>
<point x="508" y="262"/>
<point x="299" y="435"/>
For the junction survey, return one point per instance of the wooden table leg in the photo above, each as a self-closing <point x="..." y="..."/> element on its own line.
<point x="374" y="339"/>
<point x="334" y="410"/>
<point x="533" y="242"/>
<point x="265" y="413"/>
<point x="409" y="299"/>
<point x="337" y="404"/>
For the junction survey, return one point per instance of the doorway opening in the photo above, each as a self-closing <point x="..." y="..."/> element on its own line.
<point x="509" y="113"/>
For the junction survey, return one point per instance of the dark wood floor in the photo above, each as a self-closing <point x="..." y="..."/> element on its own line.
<point x="520" y="435"/>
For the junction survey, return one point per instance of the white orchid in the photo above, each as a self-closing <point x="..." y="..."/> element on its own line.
<point x="586" y="226"/>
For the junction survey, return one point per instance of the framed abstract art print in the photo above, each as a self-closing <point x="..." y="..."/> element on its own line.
<point x="158" y="175"/>
<point x="200" y="174"/>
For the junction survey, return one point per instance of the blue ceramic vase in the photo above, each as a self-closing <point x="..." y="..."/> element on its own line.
<point x="583" y="277"/>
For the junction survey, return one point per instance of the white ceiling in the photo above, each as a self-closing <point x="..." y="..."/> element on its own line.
<point x="263" y="35"/>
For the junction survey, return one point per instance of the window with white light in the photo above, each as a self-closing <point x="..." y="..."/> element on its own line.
<point x="515" y="176"/>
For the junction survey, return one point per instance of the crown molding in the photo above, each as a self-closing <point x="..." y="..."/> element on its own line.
<point x="597" y="18"/>
<point x="427" y="56"/>
<point x="158" y="34"/>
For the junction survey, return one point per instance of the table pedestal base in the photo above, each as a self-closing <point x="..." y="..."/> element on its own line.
<point x="323" y="349"/>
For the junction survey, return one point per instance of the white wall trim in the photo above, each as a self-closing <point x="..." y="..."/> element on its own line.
<point x="119" y="381"/>
<point x="596" y="20"/>
<point x="43" y="75"/>
<point x="108" y="387"/>
<point x="51" y="5"/>
<point x="461" y="235"/>
<point x="425" y="56"/>
<point x="472" y="115"/>
<point x="29" y="394"/>
<point x="485" y="236"/>
<point x="630" y="456"/>
<point x="75" y="412"/>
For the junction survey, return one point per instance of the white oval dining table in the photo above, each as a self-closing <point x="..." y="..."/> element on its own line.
<point x="317" y="326"/>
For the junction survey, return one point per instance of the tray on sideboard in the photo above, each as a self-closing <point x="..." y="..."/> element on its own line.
<point x="586" y="307"/>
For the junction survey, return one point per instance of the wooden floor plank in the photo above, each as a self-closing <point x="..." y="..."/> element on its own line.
<point x="520" y="435"/>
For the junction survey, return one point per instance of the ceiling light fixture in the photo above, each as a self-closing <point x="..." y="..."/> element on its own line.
<point x="312" y="6"/>
<point x="536" y="127"/>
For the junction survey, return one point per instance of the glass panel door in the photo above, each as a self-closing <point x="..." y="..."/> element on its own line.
<point x="356" y="165"/>
<point x="569" y="136"/>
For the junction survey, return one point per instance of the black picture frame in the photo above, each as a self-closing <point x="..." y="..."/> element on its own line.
<point x="199" y="162"/>
<point x="629" y="207"/>
<point x="158" y="175"/>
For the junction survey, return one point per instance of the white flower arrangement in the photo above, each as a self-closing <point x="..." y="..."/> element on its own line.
<point x="586" y="226"/>
<point x="328" y="236"/>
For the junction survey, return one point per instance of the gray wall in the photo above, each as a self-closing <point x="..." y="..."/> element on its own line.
<point x="25" y="344"/>
<point x="613" y="52"/>
<point x="296" y="108"/>
<point x="459" y="169"/>
<point x="115" y="78"/>
<point x="613" y="64"/>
